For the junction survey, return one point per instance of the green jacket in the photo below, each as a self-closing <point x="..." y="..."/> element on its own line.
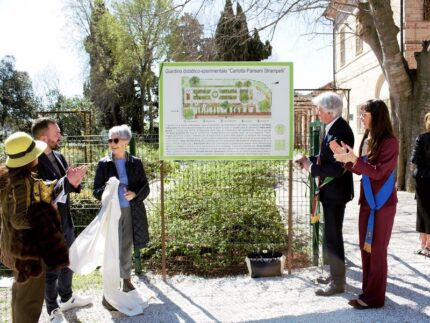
<point x="31" y="230"/>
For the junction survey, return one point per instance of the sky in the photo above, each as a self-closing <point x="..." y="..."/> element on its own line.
<point x="37" y="35"/>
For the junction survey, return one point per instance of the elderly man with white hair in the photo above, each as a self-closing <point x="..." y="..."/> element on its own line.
<point x="334" y="187"/>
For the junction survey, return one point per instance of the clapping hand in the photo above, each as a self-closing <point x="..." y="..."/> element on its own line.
<point x="336" y="148"/>
<point x="342" y="153"/>
<point x="76" y="174"/>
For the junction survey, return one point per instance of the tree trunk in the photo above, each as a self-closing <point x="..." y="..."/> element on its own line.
<point x="367" y="30"/>
<point x="142" y="105"/>
<point x="397" y="77"/>
<point x="150" y="106"/>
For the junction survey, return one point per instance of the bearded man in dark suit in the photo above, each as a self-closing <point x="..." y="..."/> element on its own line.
<point x="53" y="166"/>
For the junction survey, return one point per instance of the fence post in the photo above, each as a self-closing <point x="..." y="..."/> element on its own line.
<point x="136" y="253"/>
<point x="290" y="216"/>
<point x="163" y="223"/>
<point x="314" y="133"/>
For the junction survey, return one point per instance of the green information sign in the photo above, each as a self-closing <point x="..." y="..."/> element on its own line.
<point x="226" y="110"/>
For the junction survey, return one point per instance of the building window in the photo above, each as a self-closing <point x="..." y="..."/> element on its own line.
<point x="360" y="128"/>
<point x="342" y="46"/>
<point x="426" y="10"/>
<point x="358" y="41"/>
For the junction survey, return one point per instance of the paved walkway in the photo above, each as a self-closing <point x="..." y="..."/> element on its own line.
<point x="289" y="298"/>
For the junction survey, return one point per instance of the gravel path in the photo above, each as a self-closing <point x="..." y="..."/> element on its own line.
<point x="289" y="298"/>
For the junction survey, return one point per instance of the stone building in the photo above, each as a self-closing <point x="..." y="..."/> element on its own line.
<point x="355" y="65"/>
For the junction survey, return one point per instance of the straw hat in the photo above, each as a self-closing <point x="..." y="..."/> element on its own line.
<point x="21" y="149"/>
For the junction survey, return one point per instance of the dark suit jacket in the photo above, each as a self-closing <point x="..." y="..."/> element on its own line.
<point x="47" y="172"/>
<point x="341" y="189"/>
<point x="421" y="157"/>
<point x="138" y="183"/>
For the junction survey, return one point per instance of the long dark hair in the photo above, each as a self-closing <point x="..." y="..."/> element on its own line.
<point x="380" y="126"/>
<point x="9" y="174"/>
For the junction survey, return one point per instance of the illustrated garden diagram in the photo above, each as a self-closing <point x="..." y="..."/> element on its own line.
<point x="221" y="98"/>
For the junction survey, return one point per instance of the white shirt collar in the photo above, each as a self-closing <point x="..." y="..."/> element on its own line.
<point x="328" y="126"/>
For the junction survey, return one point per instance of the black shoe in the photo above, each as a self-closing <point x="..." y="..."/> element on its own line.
<point x="355" y="304"/>
<point x="323" y="280"/>
<point x="331" y="289"/>
<point x="107" y="306"/>
<point x="127" y="286"/>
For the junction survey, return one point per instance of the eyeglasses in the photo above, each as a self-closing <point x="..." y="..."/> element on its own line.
<point x="115" y="140"/>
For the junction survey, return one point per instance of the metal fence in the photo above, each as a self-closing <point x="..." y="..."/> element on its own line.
<point x="89" y="149"/>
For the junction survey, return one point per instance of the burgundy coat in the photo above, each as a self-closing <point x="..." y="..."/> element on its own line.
<point x="378" y="170"/>
<point x="374" y="264"/>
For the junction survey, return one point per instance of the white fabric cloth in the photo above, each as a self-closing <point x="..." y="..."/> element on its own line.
<point x="60" y="192"/>
<point x="98" y="245"/>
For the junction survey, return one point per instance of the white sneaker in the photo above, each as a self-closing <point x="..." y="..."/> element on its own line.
<point x="75" y="301"/>
<point x="56" y="316"/>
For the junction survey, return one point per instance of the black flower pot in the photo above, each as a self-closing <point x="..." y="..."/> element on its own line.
<point x="265" y="264"/>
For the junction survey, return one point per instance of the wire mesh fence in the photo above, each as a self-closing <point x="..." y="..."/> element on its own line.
<point x="214" y="209"/>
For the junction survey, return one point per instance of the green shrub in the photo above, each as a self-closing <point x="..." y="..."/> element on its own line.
<point x="150" y="156"/>
<point x="215" y="219"/>
<point x="264" y="106"/>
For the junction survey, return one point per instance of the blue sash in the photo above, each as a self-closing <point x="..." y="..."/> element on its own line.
<point x="375" y="203"/>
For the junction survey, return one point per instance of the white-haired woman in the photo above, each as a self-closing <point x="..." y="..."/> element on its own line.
<point x="132" y="191"/>
<point x="421" y="158"/>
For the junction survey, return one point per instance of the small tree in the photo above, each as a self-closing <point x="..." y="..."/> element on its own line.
<point x="73" y="123"/>
<point x="187" y="41"/>
<point x="264" y="106"/>
<point x="108" y="93"/>
<point x="17" y="101"/>
<point x="147" y="25"/>
<point x="194" y="81"/>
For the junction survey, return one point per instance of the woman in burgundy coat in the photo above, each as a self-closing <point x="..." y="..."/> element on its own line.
<point x="378" y="153"/>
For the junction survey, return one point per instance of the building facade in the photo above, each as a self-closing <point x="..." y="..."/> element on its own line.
<point x="356" y="66"/>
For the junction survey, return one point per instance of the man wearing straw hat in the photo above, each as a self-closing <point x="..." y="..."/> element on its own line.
<point x="31" y="236"/>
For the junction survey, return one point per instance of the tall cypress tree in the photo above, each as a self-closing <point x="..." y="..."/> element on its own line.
<point x="233" y="41"/>
<point x="225" y="39"/>
<point x="258" y="51"/>
<point x="101" y="86"/>
<point x="241" y="36"/>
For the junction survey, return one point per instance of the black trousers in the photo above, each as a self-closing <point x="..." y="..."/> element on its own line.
<point x="59" y="282"/>
<point x="333" y="222"/>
